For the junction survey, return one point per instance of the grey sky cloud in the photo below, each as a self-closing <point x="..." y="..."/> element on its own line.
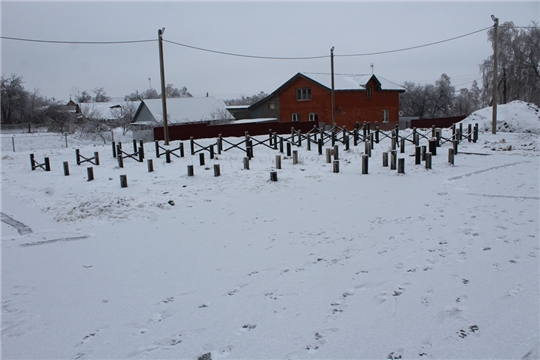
<point x="273" y="29"/>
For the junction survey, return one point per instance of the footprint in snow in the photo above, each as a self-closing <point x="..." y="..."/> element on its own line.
<point x="397" y="354"/>
<point x="427" y="297"/>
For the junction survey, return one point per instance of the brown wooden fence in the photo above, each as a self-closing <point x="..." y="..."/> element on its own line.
<point x="205" y="130"/>
<point x="445" y="122"/>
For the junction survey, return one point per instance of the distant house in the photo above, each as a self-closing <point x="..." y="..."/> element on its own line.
<point x="357" y="98"/>
<point x="181" y="111"/>
<point x="239" y="111"/>
<point x="185" y="110"/>
<point x="108" y="110"/>
<point x="73" y="107"/>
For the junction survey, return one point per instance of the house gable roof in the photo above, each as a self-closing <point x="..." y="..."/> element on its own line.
<point x="351" y="81"/>
<point x="184" y="110"/>
<point x="342" y="82"/>
<point x="106" y="110"/>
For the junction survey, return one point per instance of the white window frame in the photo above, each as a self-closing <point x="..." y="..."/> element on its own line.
<point x="271" y="105"/>
<point x="313" y="117"/>
<point x="296" y="117"/>
<point x="386" y="115"/>
<point x="303" y="94"/>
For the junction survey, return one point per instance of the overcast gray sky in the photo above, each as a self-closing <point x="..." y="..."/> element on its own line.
<point x="273" y="29"/>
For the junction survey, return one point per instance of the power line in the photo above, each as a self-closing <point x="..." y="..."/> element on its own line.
<point x="240" y="55"/>
<point x="78" y="42"/>
<point x="325" y="56"/>
<point x="418" y="46"/>
<point x="249" y="56"/>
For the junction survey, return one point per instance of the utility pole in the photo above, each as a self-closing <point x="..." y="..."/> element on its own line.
<point x="495" y="71"/>
<point x="163" y="95"/>
<point x="332" y="72"/>
<point x="504" y="83"/>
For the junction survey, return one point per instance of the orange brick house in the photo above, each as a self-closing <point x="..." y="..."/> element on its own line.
<point x="357" y="98"/>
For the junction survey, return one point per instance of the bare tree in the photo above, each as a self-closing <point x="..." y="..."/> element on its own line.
<point x="94" y="124"/>
<point x="59" y="118"/>
<point x="439" y="100"/>
<point x="100" y="95"/>
<point x="417" y="100"/>
<point x="14" y="99"/>
<point x="124" y="115"/>
<point x="83" y="97"/>
<point x="170" y="92"/>
<point x="444" y="97"/>
<point x="36" y="107"/>
<point x="518" y="65"/>
<point x="247" y="100"/>
<point x="134" y="96"/>
<point x="467" y="100"/>
<point x="221" y="116"/>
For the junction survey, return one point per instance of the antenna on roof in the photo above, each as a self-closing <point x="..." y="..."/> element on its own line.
<point x="372" y="66"/>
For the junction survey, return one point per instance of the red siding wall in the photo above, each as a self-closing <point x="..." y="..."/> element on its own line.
<point x="351" y="105"/>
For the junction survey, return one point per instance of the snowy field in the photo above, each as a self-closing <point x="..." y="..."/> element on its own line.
<point x="430" y="264"/>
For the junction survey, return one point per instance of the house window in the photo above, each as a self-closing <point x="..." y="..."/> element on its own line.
<point x="313" y="117"/>
<point x="271" y="106"/>
<point x="368" y="92"/>
<point x="385" y="116"/>
<point x="303" y="94"/>
<point x="296" y="117"/>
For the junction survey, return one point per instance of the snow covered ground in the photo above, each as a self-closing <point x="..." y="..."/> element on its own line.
<point x="430" y="264"/>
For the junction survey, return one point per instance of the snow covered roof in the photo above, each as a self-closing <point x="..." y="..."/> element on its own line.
<point x="188" y="109"/>
<point x="106" y="110"/>
<point x="257" y="120"/>
<point x="350" y="81"/>
<point x="237" y="107"/>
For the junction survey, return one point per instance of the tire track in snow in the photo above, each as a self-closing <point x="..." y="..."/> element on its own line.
<point x="55" y="240"/>
<point x="485" y="170"/>
<point x="21" y="228"/>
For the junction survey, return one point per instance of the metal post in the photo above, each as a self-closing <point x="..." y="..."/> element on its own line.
<point x="335" y="167"/>
<point x="90" y="172"/>
<point x="123" y="181"/>
<point x="401" y="166"/>
<point x="393" y="160"/>
<point x="201" y="159"/>
<point x="365" y="160"/>
<point x="278" y="161"/>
